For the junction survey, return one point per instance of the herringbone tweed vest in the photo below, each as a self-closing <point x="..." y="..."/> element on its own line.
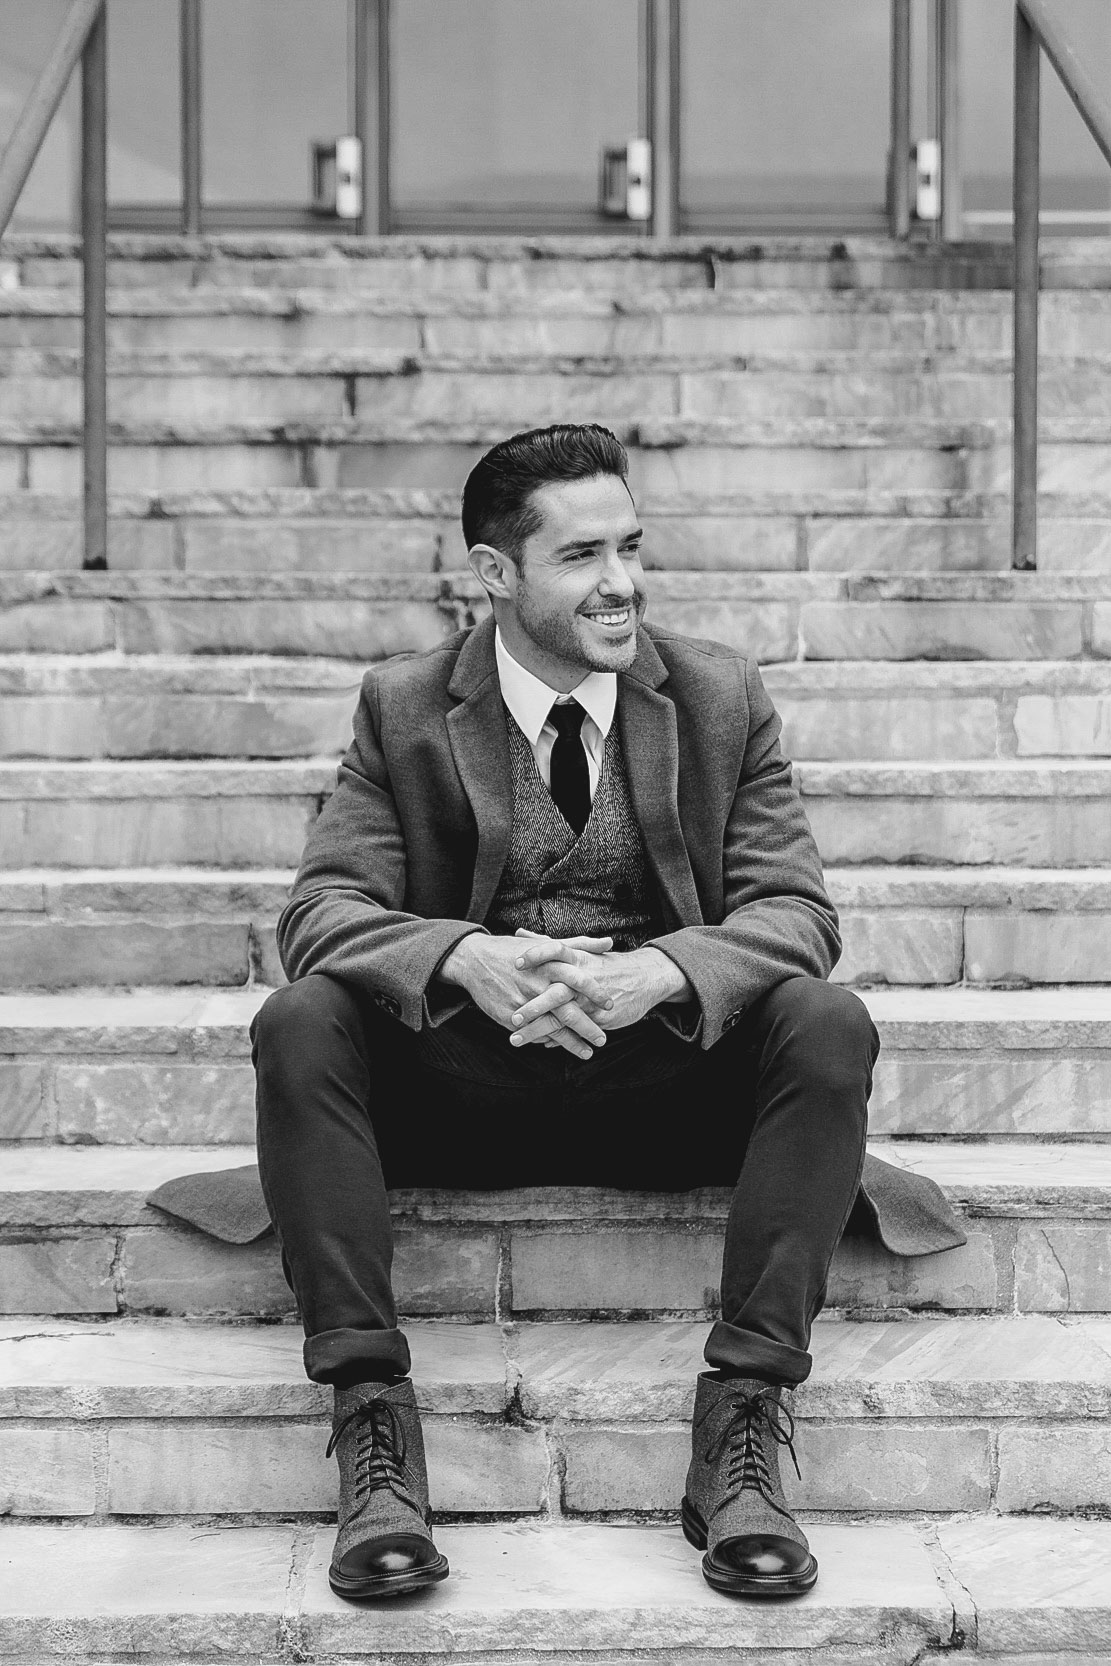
<point x="596" y="885"/>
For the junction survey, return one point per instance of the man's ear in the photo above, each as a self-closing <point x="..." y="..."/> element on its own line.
<point x="496" y="572"/>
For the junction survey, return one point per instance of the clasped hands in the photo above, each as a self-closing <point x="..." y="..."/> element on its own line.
<point x="562" y="992"/>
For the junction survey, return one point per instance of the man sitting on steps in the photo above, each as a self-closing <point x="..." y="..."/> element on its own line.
<point x="563" y="923"/>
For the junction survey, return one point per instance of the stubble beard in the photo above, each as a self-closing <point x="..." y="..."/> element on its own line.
<point x="557" y="636"/>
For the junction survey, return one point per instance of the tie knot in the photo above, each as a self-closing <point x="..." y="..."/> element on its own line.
<point x="567" y="719"/>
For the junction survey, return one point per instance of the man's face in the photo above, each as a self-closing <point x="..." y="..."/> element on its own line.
<point x="578" y="594"/>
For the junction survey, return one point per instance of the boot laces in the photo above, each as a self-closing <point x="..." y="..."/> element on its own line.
<point x="379" y="1453"/>
<point x="741" y="1440"/>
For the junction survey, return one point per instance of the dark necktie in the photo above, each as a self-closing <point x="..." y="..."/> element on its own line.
<point x="570" y="776"/>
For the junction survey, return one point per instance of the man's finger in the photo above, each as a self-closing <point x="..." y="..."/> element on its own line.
<point x="550" y="1032"/>
<point x="545" y="950"/>
<point x="579" y="980"/>
<point x="550" y="1012"/>
<point x="556" y="998"/>
<point x="588" y="945"/>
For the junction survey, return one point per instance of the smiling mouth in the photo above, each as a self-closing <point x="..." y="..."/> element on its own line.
<point x="614" y="618"/>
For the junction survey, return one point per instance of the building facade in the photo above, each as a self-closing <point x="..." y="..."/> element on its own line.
<point x="497" y="115"/>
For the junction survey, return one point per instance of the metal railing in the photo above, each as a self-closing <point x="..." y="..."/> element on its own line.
<point x="1037" y="30"/>
<point x="84" y="36"/>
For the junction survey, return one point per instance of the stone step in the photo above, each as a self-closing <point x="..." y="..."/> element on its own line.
<point x="559" y="1593"/>
<point x="130" y="927"/>
<point x="687" y="323"/>
<point x="155" y="1419"/>
<point x="417" y="531"/>
<point x="42" y="390"/>
<point x="247" y="813"/>
<point x="488" y="261"/>
<point x="666" y="454"/>
<point x="172" y="1067"/>
<point x="78" y="1239"/>
<point x="192" y="706"/>
<point x="367" y="616"/>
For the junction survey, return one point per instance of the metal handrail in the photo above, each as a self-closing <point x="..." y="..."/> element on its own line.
<point x="1037" y="30"/>
<point x="84" y="36"/>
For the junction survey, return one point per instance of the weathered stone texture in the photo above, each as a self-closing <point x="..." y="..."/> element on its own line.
<point x="441" y="1270"/>
<point x="1043" y="1091"/>
<point x="212" y="545"/>
<point x="25" y="1113"/>
<point x="163" y="1271"/>
<point x="895" y="727"/>
<point x="865" y="1275"/>
<point x="1038" y="948"/>
<point x="68" y="1275"/>
<point x="1062" y="1469"/>
<point x="1073" y="725"/>
<point x="622" y="1270"/>
<point x="47" y="1472"/>
<point x="149" y="1104"/>
<point x="897" y="946"/>
<point x="1063" y="1267"/>
<point x="71" y="954"/>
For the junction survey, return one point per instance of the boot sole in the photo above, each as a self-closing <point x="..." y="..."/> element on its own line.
<point x="390" y="1584"/>
<point x="738" y="1584"/>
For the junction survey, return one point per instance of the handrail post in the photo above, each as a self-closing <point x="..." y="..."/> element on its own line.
<point x="94" y="261"/>
<point x="1024" y="546"/>
<point x="662" y="124"/>
<point x="948" y="121"/>
<point x="191" y="153"/>
<point x="898" y="185"/>
<point x="372" y="113"/>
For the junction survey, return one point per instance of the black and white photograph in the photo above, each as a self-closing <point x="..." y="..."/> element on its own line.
<point x="555" y="832"/>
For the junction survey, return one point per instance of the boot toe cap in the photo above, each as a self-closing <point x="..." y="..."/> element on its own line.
<point x="761" y="1562"/>
<point x="390" y="1554"/>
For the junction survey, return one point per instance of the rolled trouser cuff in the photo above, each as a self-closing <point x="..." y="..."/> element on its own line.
<point x="337" y="1353"/>
<point x="744" y="1353"/>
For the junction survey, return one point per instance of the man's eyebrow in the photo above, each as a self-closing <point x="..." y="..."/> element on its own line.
<point x="596" y="543"/>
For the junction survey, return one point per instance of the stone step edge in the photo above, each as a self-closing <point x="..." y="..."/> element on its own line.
<point x="213" y="1023"/>
<point x="554" y="1592"/>
<point x="998" y="587"/>
<point x="69" y="1186"/>
<point x="648" y="433"/>
<point x="25" y="673"/>
<point x="935" y="365"/>
<point x="519" y="1592"/>
<point x="610" y="1371"/>
<point x="134" y="890"/>
<point x="424" y="503"/>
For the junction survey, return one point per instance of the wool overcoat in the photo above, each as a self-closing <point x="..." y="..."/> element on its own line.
<point x="406" y="856"/>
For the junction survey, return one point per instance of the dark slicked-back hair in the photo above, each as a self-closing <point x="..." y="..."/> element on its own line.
<point x="497" y="500"/>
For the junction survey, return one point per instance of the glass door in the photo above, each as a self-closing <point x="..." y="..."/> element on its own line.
<point x="785" y="113"/>
<point x="1075" y="180"/>
<point x="500" y="111"/>
<point x="275" y="80"/>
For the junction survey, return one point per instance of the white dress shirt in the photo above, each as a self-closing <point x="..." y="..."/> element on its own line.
<point x="529" y="701"/>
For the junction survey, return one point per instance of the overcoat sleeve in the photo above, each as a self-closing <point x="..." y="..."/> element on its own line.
<point x="345" y="914"/>
<point x="778" y="921"/>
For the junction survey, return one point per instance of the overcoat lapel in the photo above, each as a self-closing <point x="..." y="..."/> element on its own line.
<point x="480" y="746"/>
<point x="650" y="738"/>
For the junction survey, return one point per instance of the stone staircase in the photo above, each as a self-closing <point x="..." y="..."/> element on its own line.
<point x="819" y="450"/>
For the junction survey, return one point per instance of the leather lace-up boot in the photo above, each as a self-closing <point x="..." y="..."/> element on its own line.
<point x="384" y="1547"/>
<point x="734" y="1507"/>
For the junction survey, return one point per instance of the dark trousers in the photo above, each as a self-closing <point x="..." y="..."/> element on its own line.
<point x="350" y="1102"/>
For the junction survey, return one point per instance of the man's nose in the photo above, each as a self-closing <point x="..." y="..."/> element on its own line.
<point x="616" y="579"/>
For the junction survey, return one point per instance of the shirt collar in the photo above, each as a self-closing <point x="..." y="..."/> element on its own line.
<point x="530" y="700"/>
